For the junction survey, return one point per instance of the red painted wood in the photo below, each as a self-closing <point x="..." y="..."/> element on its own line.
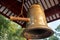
<point x="59" y="0"/>
<point x="13" y="5"/>
<point x="53" y="10"/>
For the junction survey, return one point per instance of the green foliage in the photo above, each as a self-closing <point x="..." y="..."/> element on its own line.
<point x="56" y="34"/>
<point x="58" y="28"/>
<point x="53" y="38"/>
<point x="10" y="30"/>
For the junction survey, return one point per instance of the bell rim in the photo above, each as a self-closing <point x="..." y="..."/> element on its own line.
<point x="51" y="32"/>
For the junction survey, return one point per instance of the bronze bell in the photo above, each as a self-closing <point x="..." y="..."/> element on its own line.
<point x="37" y="27"/>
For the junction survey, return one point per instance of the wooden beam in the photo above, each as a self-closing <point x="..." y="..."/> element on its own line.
<point x="59" y="0"/>
<point x="13" y="5"/>
<point x="53" y="11"/>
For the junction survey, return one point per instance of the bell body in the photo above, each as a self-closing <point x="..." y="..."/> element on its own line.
<point x="37" y="28"/>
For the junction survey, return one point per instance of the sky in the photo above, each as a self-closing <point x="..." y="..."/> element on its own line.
<point x="54" y="24"/>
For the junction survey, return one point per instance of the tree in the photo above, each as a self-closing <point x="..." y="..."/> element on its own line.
<point x="10" y="30"/>
<point x="58" y="28"/>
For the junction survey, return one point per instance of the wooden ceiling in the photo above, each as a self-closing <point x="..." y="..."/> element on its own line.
<point x="13" y="8"/>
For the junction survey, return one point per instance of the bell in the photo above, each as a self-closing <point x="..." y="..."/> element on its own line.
<point x="37" y="27"/>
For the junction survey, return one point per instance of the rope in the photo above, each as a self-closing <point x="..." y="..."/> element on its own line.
<point x="22" y="9"/>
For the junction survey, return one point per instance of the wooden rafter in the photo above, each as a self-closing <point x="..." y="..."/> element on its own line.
<point x="53" y="11"/>
<point x="12" y="5"/>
